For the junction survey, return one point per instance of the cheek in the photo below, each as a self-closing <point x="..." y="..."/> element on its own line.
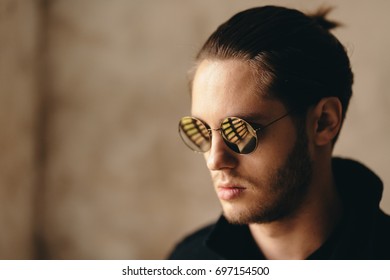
<point x="273" y="150"/>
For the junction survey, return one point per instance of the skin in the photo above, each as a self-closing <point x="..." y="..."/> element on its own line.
<point x="284" y="190"/>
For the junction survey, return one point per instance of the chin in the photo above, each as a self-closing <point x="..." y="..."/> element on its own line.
<point x="238" y="214"/>
<point x="238" y="218"/>
<point x="259" y="214"/>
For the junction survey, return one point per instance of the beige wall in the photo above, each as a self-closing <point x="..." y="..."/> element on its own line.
<point x="18" y="115"/>
<point x="117" y="182"/>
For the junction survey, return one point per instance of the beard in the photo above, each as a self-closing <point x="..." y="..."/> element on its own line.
<point x="287" y="188"/>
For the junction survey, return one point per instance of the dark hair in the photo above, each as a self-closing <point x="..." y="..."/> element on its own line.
<point x="296" y="58"/>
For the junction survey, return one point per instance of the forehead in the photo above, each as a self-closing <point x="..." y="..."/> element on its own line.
<point x="223" y="88"/>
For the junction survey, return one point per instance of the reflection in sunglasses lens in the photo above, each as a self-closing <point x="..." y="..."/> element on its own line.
<point x="194" y="134"/>
<point x="237" y="134"/>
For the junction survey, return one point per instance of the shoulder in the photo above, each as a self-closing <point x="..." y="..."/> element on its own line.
<point x="382" y="238"/>
<point x="193" y="246"/>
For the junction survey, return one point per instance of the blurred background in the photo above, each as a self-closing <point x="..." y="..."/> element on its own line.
<point x="91" y="166"/>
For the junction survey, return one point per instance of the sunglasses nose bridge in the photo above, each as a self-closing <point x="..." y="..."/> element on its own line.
<point x="214" y="139"/>
<point x="216" y="129"/>
<point x="219" y="130"/>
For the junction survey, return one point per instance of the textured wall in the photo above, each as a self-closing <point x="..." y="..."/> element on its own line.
<point x="114" y="75"/>
<point x="117" y="181"/>
<point x="18" y="103"/>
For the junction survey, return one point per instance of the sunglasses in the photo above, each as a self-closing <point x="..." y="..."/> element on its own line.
<point x="239" y="135"/>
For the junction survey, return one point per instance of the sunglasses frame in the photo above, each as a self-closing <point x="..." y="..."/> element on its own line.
<point x="223" y="135"/>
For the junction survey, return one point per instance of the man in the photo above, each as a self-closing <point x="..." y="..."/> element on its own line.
<point x="269" y="95"/>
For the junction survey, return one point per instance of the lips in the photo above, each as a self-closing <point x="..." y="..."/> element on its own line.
<point x="229" y="192"/>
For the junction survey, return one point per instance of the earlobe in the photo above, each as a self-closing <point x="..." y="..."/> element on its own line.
<point x="328" y="119"/>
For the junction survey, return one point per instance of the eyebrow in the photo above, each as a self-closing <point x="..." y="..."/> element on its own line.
<point x="252" y="117"/>
<point x="255" y="118"/>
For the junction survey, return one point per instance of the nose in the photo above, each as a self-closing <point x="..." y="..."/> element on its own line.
<point x="220" y="156"/>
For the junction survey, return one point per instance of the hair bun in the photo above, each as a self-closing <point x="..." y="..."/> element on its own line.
<point x="319" y="17"/>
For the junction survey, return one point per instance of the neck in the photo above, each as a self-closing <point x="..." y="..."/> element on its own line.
<point x="299" y="235"/>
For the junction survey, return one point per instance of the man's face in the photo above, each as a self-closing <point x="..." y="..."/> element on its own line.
<point x="269" y="183"/>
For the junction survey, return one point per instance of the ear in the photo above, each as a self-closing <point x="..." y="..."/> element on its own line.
<point x="326" y="120"/>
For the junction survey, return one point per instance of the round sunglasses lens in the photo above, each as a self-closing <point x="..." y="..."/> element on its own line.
<point x="194" y="134"/>
<point x="239" y="135"/>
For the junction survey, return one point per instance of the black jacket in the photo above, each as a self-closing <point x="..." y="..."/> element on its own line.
<point x="363" y="234"/>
